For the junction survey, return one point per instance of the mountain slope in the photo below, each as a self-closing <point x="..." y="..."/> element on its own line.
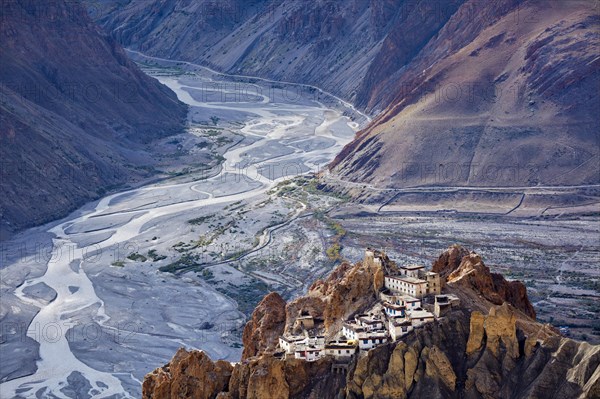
<point x="506" y="103"/>
<point x="338" y="46"/>
<point x="74" y="112"/>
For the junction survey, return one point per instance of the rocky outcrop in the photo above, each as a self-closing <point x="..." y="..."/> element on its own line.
<point x="194" y="375"/>
<point x="267" y="377"/>
<point x="75" y="112"/>
<point x="347" y="290"/>
<point x="494" y="352"/>
<point x="496" y="329"/>
<point x="188" y="375"/>
<point x="462" y="267"/>
<point x="476" y="357"/>
<point x="262" y="332"/>
<point x="449" y="260"/>
<point x="426" y="364"/>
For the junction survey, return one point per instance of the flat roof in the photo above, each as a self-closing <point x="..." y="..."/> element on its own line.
<point x="419" y="314"/>
<point x="354" y="327"/>
<point x="401" y="322"/>
<point x="292" y="338"/>
<point x="369" y="319"/>
<point x="412" y="267"/>
<point x="340" y="346"/>
<point x="393" y="306"/>
<point x="376" y="333"/>
<point x="407" y="298"/>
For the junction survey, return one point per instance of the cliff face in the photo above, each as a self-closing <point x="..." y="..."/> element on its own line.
<point x="495" y="351"/>
<point x="189" y="374"/>
<point x="491" y="99"/>
<point x="73" y="109"/>
<point x="477" y="356"/>
<point x="347" y="290"/>
<point x="262" y="332"/>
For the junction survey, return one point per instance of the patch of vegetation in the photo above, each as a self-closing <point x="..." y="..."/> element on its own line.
<point x="248" y="295"/>
<point x="201" y="219"/>
<point x="118" y="263"/>
<point x="134" y="256"/>
<point x="313" y="186"/>
<point x="233" y="206"/>
<point x="154" y="256"/>
<point x="221" y="141"/>
<point x="204" y="144"/>
<point x="211" y="133"/>
<point x="207" y="274"/>
<point x="235" y="255"/>
<point x="218" y="157"/>
<point x="333" y="252"/>
<point x="186" y="260"/>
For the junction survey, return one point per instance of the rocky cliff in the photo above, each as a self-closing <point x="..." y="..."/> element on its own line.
<point x="75" y="112"/>
<point x="262" y="332"/>
<point x="461" y="267"/>
<point x="347" y="290"/>
<point x="479" y="350"/>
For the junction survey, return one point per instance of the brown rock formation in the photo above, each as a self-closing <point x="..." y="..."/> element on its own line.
<point x="498" y="328"/>
<point x="449" y="260"/>
<point x="188" y="375"/>
<point x="347" y="290"/>
<point x="420" y="366"/>
<point x="267" y="377"/>
<point x="462" y="267"/>
<point x="262" y="331"/>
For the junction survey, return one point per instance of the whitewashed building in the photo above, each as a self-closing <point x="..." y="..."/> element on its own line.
<point x="294" y="343"/>
<point x="399" y="326"/>
<point x="413" y="280"/>
<point x="308" y="353"/>
<point x="419" y="316"/>
<point x="407" y="285"/>
<point x="341" y="349"/>
<point x="288" y="342"/>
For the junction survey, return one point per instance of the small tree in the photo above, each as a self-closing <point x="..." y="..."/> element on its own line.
<point x="214" y="119"/>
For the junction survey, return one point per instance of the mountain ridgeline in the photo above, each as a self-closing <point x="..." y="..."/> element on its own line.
<point x="465" y="92"/>
<point x="76" y="113"/>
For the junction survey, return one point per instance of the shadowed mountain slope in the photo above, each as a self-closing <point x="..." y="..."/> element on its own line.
<point x="75" y="112"/>
<point x="342" y="47"/>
